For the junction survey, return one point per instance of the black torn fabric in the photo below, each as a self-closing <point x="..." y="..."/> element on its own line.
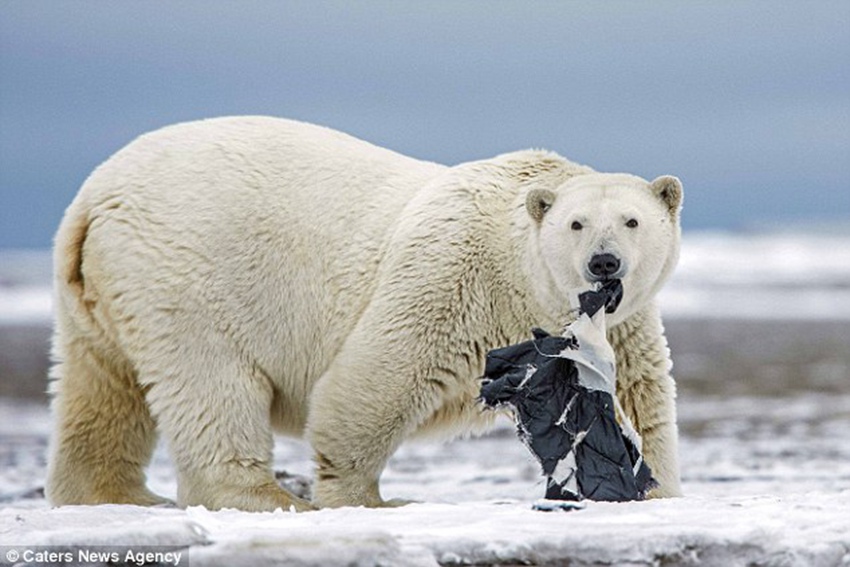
<point x="571" y="429"/>
<point x="609" y="294"/>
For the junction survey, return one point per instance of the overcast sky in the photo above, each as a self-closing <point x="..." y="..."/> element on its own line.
<point x="747" y="102"/>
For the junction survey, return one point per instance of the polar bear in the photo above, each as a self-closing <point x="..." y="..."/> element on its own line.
<point x="221" y="280"/>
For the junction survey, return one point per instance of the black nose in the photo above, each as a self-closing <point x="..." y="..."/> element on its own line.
<point x="604" y="265"/>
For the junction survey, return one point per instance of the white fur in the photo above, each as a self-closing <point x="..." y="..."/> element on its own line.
<point x="222" y="279"/>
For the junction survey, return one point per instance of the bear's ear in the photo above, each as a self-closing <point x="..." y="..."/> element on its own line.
<point x="669" y="190"/>
<point x="538" y="202"/>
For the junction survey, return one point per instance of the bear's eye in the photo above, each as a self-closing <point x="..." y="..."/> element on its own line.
<point x="632" y="223"/>
<point x="576" y="225"/>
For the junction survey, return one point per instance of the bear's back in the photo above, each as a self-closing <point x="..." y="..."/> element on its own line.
<point x="272" y="225"/>
<point x="242" y="158"/>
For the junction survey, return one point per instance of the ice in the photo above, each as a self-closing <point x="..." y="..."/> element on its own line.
<point x="806" y="529"/>
<point x="25" y="287"/>
<point x="768" y="276"/>
<point x="26" y="305"/>
<point x="768" y="487"/>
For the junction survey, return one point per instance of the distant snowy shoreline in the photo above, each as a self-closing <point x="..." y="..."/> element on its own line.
<point x="720" y="275"/>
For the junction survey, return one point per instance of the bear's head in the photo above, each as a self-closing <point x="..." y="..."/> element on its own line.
<point x="597" y="226"/>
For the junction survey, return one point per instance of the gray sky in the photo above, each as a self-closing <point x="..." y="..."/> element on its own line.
<point x="748" y="102"/>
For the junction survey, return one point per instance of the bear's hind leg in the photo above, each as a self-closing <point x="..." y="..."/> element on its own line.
<point x="216" y="417"/>
<point x="104" y="434"/>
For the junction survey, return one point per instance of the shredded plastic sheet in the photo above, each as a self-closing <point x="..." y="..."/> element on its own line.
<point x="563" y="392"/>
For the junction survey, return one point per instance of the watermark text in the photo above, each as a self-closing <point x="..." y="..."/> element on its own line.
<point x="95" y="555"/>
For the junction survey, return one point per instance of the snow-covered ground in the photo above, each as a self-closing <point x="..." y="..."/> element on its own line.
<point x="767" y="482"/>
<point x="765" y="462"/>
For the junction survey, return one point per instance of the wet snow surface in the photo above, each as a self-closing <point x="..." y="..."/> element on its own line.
<point x="767" y="481"/>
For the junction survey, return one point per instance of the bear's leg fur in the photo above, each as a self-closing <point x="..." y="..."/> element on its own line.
<point x="213" y="407"/>
<point x="647" y="393"/>
<point x="104" y="434"/>
<point x="357" y="421"/>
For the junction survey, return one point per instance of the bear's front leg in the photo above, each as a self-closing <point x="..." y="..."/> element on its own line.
<point x="647" y="392"/>
<point x="660" y="436"/>
<point x="361" y="410"/>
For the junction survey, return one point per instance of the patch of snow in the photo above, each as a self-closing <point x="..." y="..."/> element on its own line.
<point x="808" y="529"/>
<point x="769" y="275"/>
<point x="33" y="304"/>
<point x="767" y="481"/>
